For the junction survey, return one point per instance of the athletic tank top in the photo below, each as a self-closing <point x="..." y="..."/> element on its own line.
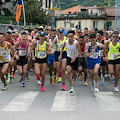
<point x="71" y="49"/>
<point x="22" y="48"/>
<point x="82" y="50"/>
<point x="39" y="50"/>
<point x="59" y="43"/>
<point x="50" y="42"/>
<point x="4" y="54"/>
<point x="95" y="55"/>
<point x="112" y="50"/>
<point x="11" y="42"/>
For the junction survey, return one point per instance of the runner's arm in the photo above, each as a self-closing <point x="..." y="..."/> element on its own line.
<point x="54" y="41"/>
<point x="48" y="49"/>
<point x="33" y="48"/>
<point x="11" y="48"/>
<point x="79" y="50"/>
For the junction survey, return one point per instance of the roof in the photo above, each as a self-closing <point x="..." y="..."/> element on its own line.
<point x="74" y="9"/>
<point x="110" y="11"/>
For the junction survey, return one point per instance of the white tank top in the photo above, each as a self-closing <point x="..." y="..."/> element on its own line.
<point x="50" y="42"/>
<point x="71" y="49"/>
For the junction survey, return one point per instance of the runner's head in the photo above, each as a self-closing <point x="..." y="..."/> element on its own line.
<point x="81" y="40"/>
<point x="99" y="34"/>
<point x="9" y="34"/>
<point x="86" y="30"/>
<point x="42" y="35"/>
<point x="23" y="36"/>
<point x="70" y="35"/>
<point x="115" y="35"/>
<point x="2" y="37"/>
<point x="92" y="38"/>
<point x="86" y="37"/>
<point x="60" y="31"/>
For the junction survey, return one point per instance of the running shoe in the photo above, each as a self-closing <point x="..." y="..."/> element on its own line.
<point x="51" y="80"/>
<point x="80" y="77"/>
<point x="13" y="76"/>
<point x="23" y="83"/>
<point x="38" y="82"/>
<point x="93" y="85"/>
<point x="102" y="80"/>
<point x="55" y="80"/>
<point x="96" y="89"/>
<point x="27" y="75"/>
<point x="8" y="78"/>
<point x="116" y="89"/>
<point x="59" y="80"/>
<point x="63" y="87"/>
<point x="72" y="90"/>
<point x="85" y="83"/>
<point x="5" y="87"/>
<point x="21" y="79"/>
<point x="112" y="81"/>
<point x="42" y="88"/>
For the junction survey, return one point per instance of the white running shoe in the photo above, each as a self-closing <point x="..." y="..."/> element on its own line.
<point x="116" y="89"/>
<point x="72" y="90"/>
<point x="38" y="82"/>
<point x="96" y="89"/>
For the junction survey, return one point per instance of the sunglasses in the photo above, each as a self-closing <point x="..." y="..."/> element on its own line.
<point x="115" y="36"/>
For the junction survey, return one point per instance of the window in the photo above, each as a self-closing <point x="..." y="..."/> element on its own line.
<point x="95" y="24"/>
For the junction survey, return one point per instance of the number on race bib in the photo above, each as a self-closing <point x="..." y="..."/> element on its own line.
<point x="72" y="53"/>
<point x="60" y="45"/>
<point x="94" y="56"/>
<point x="41" y="54"/>
<point x="22" y="53"/>
<point x="3" y="53"/>
<point x="111" y="56"/>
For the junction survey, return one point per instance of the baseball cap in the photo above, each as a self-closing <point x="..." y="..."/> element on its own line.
<point x="60" y="30"/>
<point x="41" y="27"/>
<point x="42" y="33"/>
<point x="9" y="31"/>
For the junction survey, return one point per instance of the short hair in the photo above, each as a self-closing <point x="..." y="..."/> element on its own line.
<point x="23" y="33"/>
<point x="30" y="30"/>
<point x="92" y="36"/>
<point x="115" y="32"/>
<point x="106" y="33"/>
<point x="10" y="27"/>
<point x="2" y="34"/>
<point x="86" y="35"/>
<point x="100" y="32"/>
<point x="82" y="37"/>
<point x="86" y="28"/>
<point x="71" y="31"/>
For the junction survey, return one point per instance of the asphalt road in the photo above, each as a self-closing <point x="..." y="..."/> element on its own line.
<point x="29" y="103"/>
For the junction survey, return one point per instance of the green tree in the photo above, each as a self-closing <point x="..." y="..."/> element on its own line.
<point x="34" y="13"/>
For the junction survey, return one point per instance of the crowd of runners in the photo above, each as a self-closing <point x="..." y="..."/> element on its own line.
<point x="64" y="52"/>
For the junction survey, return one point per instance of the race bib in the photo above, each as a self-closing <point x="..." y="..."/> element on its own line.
<point x="101" y="53"/>
<point x="3" y="53"/>
<point x="94" y="55"/>
<point x="41" y="54"/>
<point x="22" y="52"/>
<point x="72" y="53"/>
<point x="111" y="56"/>
<point x="60" y="45"/>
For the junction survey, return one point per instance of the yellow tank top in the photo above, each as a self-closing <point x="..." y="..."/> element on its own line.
<point x="59" y="43"/>
<point x="4" y="54"/>
<point x="112" y="50"/>
<point x="39" y="50"/>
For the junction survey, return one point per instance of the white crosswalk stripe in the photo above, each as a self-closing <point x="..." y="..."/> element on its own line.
<point x="64" y="101"/>
<point x="22" y="101"/>
<point x="107" y="101"/>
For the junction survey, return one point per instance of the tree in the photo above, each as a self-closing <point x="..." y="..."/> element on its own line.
<point x="35" y="13"/>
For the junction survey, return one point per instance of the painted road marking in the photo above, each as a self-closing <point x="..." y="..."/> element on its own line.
<point x="107" y="101"/>
<point x="21" y="102"/>
<point x="64" y="101"/>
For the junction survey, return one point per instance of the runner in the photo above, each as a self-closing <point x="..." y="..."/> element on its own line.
<point x="103" y="63"/>
<point x="5" y="58"/>
<point x="60" y="65"/>
<point x="82" y="64"/>
<point x="9" y="39"/>
<point x="73" y="52"/>
<point x="51" y="59"/>
<point x="93" y="59"/>
<point x="23" y="50"/>
<point x="114" y="58"/>
<point x="41" y="48"/>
